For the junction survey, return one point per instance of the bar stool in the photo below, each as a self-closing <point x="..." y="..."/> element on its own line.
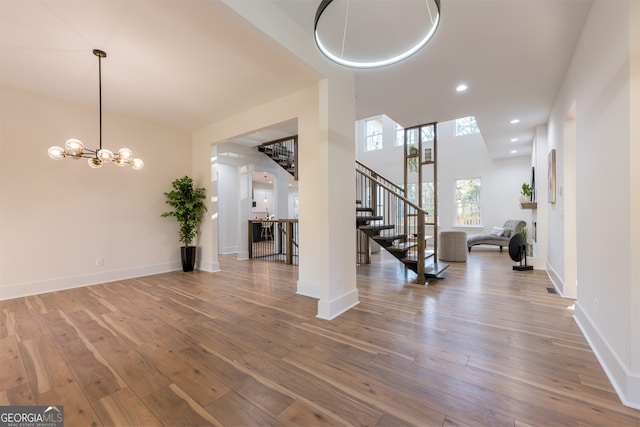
<point x="266" y="234"/>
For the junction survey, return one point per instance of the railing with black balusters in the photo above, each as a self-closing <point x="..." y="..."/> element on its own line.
<point x="284" y="152"/>
<point x="274" y="240"/>
<point x="386" y="216"/>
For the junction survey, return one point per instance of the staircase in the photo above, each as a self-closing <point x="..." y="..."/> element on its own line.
<point x="386" y="216"/>
<point x="284" y="152"/>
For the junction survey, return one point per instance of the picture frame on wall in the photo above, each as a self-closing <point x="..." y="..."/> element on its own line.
<point x="552" y="175"/>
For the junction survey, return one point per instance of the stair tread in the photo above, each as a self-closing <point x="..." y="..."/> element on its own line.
<point x="401" y="247"/>
<point x="377" y="227"/>
<point x="413" y="257"/>
<point x="390" y="237"/>
<point x="362" y="209"/>
<point x="369" y="218"/>
<point x="432" y="270"/>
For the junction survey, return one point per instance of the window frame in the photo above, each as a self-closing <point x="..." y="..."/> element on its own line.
<point x="459" y="210"/>
<point x="368" y="137"/>
<point x="470" y="124"/>
<point x="398" y="130"/>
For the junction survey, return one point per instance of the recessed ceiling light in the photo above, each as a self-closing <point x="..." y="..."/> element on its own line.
<point x="514" y="121"/>
<point x="514" y="151"/>
<point x="514" y="139"/>
<point x="461" y="87"/>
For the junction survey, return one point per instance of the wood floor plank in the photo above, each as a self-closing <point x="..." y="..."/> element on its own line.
<point x="23" y="319"/>
<point x="484" y="346"/>
<point x="233" y="410"/>
<point x="317" y="391"/>
<point x="301" y="414"/>
<point x="20" y="394"/>
<point x="140" y="376"/>
<point x="122" y="408"/>
<point x="196" y="381"/>
<point x="13" y="371"/>
<point x="45" y="366"/>
<point x="270" y="400"/>
<point x="174" y="407"/>
<point x="77" y="409"/>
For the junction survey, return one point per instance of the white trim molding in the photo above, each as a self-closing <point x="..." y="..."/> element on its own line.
<point x="626" y="383"/>
<point x="61" y="283"/>
<point x="331" y="309"/>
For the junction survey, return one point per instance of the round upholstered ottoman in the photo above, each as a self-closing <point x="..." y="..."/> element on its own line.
<point x="453" y="246"/>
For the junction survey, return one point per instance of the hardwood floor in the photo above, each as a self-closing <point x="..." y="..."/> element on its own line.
<point x="485" y="346"/>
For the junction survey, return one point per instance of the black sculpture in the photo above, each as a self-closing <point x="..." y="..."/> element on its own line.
<point x="518" y="252"/>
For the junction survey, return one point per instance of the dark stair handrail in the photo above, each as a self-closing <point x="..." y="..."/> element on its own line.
<point x="380" y="197"/>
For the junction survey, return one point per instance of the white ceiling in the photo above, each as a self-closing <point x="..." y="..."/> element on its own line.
<point x="188" y="63"/>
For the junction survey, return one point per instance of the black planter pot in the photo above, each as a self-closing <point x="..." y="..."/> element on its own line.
<point x="188" y="257"/>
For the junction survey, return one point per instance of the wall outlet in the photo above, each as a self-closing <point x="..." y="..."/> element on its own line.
<point x="99" y="262"/>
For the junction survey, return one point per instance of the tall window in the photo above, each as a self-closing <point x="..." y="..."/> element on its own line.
<point x="374" y="134"/>
<point x="412" y="137"/>
<point x="468" y="202"/>
<point x="427" y="133"/>
<point x="428" y="200"/>
<point x="466" y="126"/>
<point x="398" y="137"/>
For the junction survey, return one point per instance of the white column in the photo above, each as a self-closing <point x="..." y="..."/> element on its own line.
<point x="244" y="209"/>
<point x="327" y="202"/>
<point x="281" y="194"/>
<point x="207" y="177"/>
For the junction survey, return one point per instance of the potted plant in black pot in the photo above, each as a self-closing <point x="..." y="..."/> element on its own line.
<point x="188" y="208"/>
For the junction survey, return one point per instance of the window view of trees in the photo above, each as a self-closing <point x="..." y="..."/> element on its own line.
<point x="466" y="126"/>
<point x="373" y="140"/>
<point x="398" y="137"/>
<point x="427" y="197"/>
<point x="427" y="133"/>
<point x="428" y="200"/>
<point x="468" y="201"/>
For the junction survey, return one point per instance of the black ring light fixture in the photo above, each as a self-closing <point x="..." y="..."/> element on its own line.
<point x="372" y="34"/>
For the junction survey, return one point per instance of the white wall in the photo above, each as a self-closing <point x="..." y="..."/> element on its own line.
<point x="602" y="81"/>
<point x="539" y="215"/>
<point x="59" y="217"/>
<point x="460" y="158"/>
<point x="228" y="198"/>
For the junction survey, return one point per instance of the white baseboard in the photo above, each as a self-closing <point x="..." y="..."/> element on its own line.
<point x="331" y="309"/>
<point x="241" y="256"/>
<point x="62" y="283"/>
<point x="229" y="250"/>
<point x="626" y="384"/>
<point x="555" y="280"/>
<point x="210" y="267"/>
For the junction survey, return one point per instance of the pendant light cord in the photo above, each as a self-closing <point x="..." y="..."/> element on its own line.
<point x="100" y="97"/>
<point x="344" y="31"/>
